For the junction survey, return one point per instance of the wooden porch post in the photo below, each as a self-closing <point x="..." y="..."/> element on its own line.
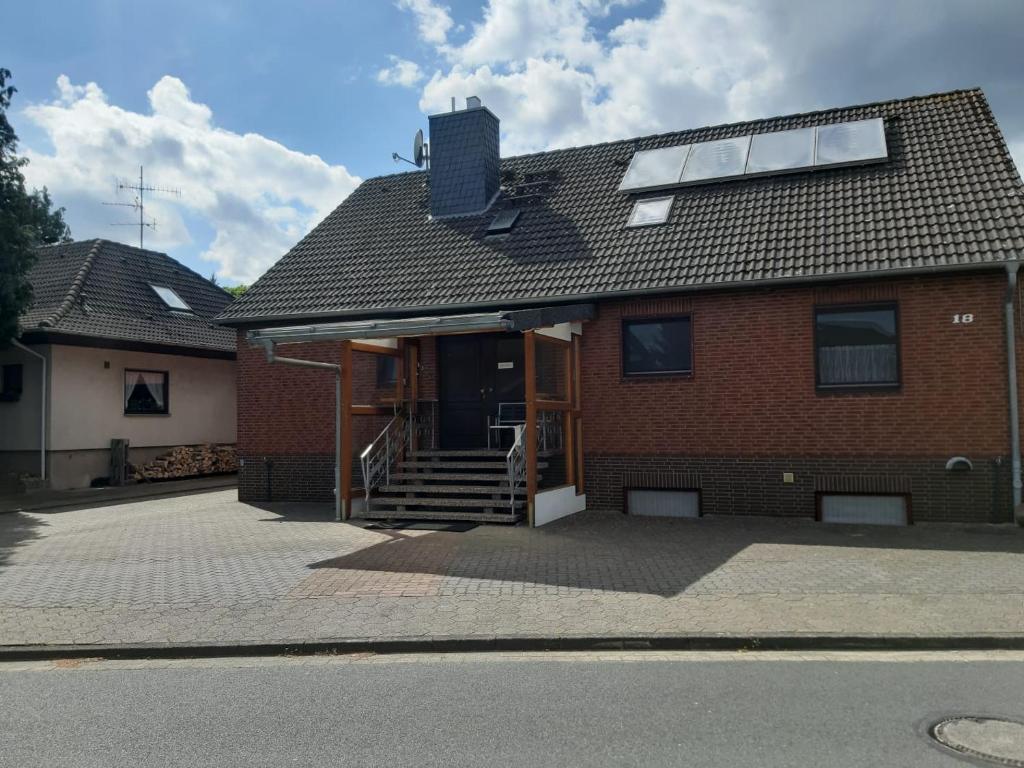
<point x="530" y="374"/>
<point x="576" y="396"/>
<point x="346" y="430"/>
<point x="569" y="419"/>
<point x="414" y="390"/>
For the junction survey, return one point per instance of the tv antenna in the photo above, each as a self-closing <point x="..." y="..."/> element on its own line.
<point x="139" y="203"/>
<point x="420" y="152"/>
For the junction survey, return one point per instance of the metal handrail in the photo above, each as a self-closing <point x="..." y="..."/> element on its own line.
<point x="515" y="464"/>
<point x="379" y="456"/>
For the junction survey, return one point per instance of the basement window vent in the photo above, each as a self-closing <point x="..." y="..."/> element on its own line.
<point x="503" y="222"/>
<point x="864" y="509"/>
<point x="663" y="503"/>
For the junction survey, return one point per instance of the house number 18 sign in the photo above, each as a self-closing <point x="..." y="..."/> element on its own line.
<point x="965" y="319"/>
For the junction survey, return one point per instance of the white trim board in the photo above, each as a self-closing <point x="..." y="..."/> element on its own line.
<point x="556" y="503"/>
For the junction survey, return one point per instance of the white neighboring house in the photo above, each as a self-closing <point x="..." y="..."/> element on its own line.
<point x="119" y="343"/>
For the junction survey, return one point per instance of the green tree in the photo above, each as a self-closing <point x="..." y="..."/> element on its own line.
<point x="27" y="219"/>
<point x="237" y="290"/>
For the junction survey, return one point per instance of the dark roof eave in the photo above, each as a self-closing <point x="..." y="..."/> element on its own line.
<point x="264" y="320"/>
<point x="48" y="336"/>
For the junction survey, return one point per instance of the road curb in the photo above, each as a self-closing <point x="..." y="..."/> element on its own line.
<point x="478" y="644"/>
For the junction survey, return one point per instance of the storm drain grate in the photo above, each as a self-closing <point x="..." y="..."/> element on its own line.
<point x="992" y="739"/>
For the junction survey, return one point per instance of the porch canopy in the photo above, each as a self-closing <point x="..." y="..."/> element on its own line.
<point x="501" y="320"/>
<point x="557" y="329"/>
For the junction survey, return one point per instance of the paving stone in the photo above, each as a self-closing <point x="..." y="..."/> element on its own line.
<point x="207" y="568"/>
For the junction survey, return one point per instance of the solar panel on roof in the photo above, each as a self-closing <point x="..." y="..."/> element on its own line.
<point x="650" y="211"/>
<point x="652" y="168"/>
<point x="503" y="222"/>
<point x="717" y="159"/>
<point x="781" y="151"/>
<point x="860" y="141"/>
<point x="851" y="142"/>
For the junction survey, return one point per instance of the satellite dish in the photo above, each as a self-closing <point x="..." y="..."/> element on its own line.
<point x="417" y="149"/>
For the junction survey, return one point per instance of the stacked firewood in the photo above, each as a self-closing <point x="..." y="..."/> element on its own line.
<point x="190" y="461"/>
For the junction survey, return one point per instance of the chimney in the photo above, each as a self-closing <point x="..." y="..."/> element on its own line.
<point x="465" y="164"/>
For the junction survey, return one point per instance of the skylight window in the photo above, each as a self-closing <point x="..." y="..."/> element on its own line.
<point x="653" y="168"/>
<point x="717" y="159"/>
<point x="650" y="211"/>
<point x="851" y="142"/>
<point x="169" y="297"/>
<point x="503" y="222"/>
<point x="781" y="151"/>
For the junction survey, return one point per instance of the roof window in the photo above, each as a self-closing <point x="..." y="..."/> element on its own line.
<point x="170" y="298"/>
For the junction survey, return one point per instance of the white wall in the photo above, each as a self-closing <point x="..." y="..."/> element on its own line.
<point x="19" y="421"/>
<point x="87" y="400"/>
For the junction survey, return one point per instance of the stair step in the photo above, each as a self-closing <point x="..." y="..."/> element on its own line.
<point x="494" y="466"/>
<point x="443" y="501"/>
<point x="442" y="515"/>
<point x="485" y="452"/>
<point x="476" y="477"/>
<point x="456" y="489"/>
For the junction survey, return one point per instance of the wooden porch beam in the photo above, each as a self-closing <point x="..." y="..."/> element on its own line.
<point x="554" y="405"/>
<point x="373" y="349"/>
<point x="371" y="410"/>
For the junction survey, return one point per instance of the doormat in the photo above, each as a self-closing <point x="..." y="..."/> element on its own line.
<point x="419" y="525"/>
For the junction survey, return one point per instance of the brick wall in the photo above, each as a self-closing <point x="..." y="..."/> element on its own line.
<point x="749" y="411"/>
<point x="752" y="392"/>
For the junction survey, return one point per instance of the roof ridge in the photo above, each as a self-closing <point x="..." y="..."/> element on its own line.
<point x="76" y="288"/>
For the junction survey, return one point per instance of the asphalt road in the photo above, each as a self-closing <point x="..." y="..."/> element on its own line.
<point x="543" y="710"/>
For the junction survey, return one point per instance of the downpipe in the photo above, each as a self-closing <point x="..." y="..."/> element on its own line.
<point x="1011" y="380"/>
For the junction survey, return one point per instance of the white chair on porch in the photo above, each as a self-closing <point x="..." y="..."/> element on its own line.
<point x="510" y="416"/>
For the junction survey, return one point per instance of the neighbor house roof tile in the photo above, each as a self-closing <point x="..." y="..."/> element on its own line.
<point x="101" y="289"/>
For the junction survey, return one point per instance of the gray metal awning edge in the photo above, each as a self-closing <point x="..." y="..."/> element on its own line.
<point x="502" y="320"/>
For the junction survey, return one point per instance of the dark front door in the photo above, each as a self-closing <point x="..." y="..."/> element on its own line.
<point x="476" y="372"/>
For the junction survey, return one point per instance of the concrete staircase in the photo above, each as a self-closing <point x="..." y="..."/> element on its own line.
<point x="450" y="485"/>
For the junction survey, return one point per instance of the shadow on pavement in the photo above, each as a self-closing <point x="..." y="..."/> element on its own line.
<point x="608" y="551"/>
<point x="17" y="529"/>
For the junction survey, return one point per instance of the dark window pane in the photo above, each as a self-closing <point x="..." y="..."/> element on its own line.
<point x="11" y="383"/>
<point x="387" y="371"/>
<point x="145" y="392"/>
<point x="656" y="346"/>
<point x="857" y="347"/>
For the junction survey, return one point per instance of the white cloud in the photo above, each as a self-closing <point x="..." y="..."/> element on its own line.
<point x="433" y="20"/>
<point x="555" y="82"/>
<point x="560" y="73"/>
<point x="258" y="196"/>
<point x="401" y="72"/>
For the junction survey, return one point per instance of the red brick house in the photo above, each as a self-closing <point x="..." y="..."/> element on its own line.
<point x="809" y="315"/>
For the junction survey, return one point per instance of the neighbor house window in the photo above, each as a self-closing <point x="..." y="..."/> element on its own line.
<point x="11" y="382"/>
<point x="656" y="346"/>
<point x="857" y="346"/>
<point x="145" y="392"/>
<point x="387" y="371"/>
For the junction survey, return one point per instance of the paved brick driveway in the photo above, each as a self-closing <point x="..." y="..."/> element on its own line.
<point x="207" y="568"/>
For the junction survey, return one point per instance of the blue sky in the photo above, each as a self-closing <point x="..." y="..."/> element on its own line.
<point x="267" y="114"/>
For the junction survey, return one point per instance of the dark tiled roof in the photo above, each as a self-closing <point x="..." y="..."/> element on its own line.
<point x="948" y="196"/>
<point x="101" y="289"/>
